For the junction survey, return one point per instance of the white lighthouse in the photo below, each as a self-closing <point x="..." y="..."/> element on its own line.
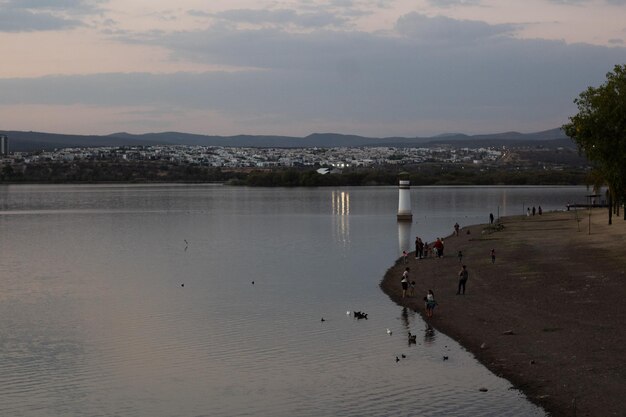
<point x="404" y="202"/>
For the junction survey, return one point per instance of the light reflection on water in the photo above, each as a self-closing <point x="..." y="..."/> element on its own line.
<point x="96" y="320"/>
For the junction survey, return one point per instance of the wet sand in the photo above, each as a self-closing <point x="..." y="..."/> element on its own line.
<point x="549" y="315"/>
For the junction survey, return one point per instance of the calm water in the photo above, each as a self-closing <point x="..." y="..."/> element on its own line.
<point x="95" y="320"/>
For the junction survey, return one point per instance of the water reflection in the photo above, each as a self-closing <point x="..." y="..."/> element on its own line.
<point x="341" y="203"/>
<point x="429" y="335"/>
<point x="341" y="211"/>
<point x="404" y="237"/>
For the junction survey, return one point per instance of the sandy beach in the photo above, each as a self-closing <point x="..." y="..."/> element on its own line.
<point x="549" y="315"/>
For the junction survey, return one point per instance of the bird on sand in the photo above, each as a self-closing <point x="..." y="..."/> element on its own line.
<point x="389" y="332"/>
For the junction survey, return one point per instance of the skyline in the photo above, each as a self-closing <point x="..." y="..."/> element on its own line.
<point x="372" y="68"/>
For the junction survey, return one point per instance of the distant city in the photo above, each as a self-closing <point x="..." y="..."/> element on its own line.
<point x="483" y="161"/>
<point x="227" y="157"/>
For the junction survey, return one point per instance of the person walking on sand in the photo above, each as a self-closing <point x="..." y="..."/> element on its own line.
<point x="456" y="229"/>
<point x="463" y="275"/>
<point x="405" y="281"/>
<point x="430" y="303"/>
<point x="493" y="256"/>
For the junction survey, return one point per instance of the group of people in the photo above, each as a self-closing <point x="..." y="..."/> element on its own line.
<point x="408" y="289"/>
<point x="533" y="211"/>
<point x="422" y="251"/>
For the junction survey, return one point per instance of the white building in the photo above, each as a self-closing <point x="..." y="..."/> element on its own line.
<point x="4" y="145"/>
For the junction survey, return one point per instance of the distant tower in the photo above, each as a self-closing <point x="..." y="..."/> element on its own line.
<point x="4" y="145"/>
<point x="404" y="202"/>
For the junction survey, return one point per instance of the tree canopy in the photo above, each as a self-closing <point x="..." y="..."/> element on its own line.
<point x="599" y="130"/>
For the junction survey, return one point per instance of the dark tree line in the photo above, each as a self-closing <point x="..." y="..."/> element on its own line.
<point x="422" y="174"/>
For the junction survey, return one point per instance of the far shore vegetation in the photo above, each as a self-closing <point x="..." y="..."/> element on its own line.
<point x="422" y="174"/>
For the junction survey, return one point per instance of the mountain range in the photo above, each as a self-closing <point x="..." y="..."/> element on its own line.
<point x="21" y="141"/>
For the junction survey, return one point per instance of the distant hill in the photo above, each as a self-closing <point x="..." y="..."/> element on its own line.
<point x="33" y="141"/>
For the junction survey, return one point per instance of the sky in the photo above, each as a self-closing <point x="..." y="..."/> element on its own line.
<point x="374" y="68"/>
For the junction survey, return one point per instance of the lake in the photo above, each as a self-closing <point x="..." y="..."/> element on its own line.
<point x="137" y="300"/>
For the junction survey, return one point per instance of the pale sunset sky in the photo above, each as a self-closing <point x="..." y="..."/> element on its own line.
<point x="294" y="67"/>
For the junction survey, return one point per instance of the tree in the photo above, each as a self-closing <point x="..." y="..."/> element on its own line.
<point x="599" y="130"/>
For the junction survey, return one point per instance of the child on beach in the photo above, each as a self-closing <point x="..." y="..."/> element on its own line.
<point x="412" y="289"/>
<point x="430" y="303"/>
<point x="405" y="255"/>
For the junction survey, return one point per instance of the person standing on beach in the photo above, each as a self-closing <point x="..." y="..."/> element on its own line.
<point x="490" y="218"/>
<point x="456" y="229"/>
<point x="460" y="256"/>
<point x="534" y="211"/>
<point x="405" y="281"/>
<point x="493" y="256"/>
<point x="463" y="275"/>
<point x="405" y="256"/>
<point x="417" y="247"/>
<point x="539" y="210"/>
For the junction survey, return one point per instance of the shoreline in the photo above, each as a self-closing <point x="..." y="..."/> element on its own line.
<point x="548" y="315"/>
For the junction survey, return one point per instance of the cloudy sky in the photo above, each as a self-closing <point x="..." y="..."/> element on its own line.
<point x="294" y="67"/>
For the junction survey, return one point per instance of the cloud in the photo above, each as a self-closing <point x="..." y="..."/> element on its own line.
<point x="329" y="79"/>
<point x="281" y="17"/>
<point x="451" y="3"/>
<point x="68" y="6"/>
<point x="433" y="75"/>
<point x="43" y="15"/>
<point x="579" y="2"/>
<point x="569" y="2"/>
<point x="27" y="21"/>
<point x="444" y="29"/>
<point x="198" y="13"/>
